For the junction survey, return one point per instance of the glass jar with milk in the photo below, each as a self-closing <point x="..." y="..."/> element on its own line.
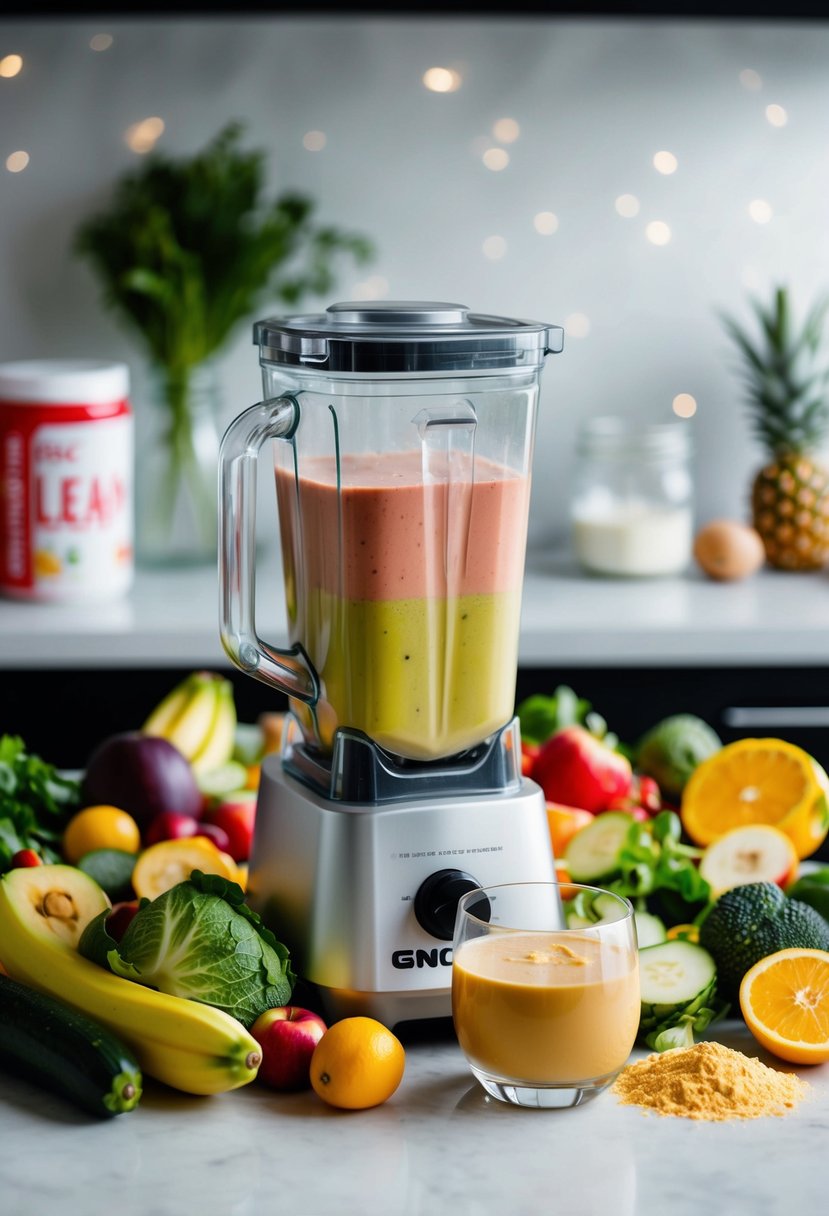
<point x="632" y="500"/>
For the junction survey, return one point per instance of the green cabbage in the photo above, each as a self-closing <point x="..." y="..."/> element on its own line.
<point x="201" y="941"/>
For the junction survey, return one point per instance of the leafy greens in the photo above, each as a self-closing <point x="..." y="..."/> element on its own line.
<point x="36" y="803"/>
<point x="540" y="716"/>
<point x="200" y="941"/>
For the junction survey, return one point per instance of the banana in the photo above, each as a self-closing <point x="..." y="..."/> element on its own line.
<point x="218" y="746"/>
<point x="188" y="1045"/>
<point x="168" y="710"/>
<point x="199" y="718"/>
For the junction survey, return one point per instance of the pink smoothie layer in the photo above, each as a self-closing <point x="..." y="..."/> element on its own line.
<point x="397" y="541"/>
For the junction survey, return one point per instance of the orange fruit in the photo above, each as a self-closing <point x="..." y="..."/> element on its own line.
<point x="357" y="1063"/>
<point x="170" y="862"/>
<point x="784" y="999"/>
<point x="99" y="827"/>
<point x="684" y="933"/>
<point x="564" y="822"/>
<point x="758" y="781"/>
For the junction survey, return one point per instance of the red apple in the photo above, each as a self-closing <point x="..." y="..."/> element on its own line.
<point x="168" y="825"/>
<point x="287" y="1036"/>
<point x="577" y="769"/>
<point x="235" y="815"/>
<point x="119" y="918"/>
<point x="213" y="832"/>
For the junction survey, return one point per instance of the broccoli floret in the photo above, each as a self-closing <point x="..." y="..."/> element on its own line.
<point x="752" y="921"/>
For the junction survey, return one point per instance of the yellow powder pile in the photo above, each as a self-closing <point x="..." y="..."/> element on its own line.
<point x="708" y="1081"/>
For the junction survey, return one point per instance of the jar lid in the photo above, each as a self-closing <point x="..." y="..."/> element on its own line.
<point x="405" y="336"/>
<point x="64" y="381"/>
<point x="625" y="437"/>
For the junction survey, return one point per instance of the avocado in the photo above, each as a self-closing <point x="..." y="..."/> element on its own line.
<point x="752" y="921"/>
<point x="671" y="750"/>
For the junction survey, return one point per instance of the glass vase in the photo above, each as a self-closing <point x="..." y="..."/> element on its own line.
<point x="177" y="469"/>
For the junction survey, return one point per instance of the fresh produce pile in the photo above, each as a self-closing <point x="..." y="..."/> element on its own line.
<point x="126" y="945"/>
<point x="707" y="841"/>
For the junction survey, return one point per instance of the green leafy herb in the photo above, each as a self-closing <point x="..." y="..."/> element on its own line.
<point x="201" y="941"/>
<point x="659" y="872"/>
<point x="190" y="247"/>
<point x="187" y="250"/>
<point x="36" y="803"/>
<point x="681" y="1032"/>
<point x="540" y="716"/>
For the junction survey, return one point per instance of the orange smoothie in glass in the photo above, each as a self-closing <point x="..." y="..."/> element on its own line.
<point x="406" y="595"/>
<point x="557" y="1008"/>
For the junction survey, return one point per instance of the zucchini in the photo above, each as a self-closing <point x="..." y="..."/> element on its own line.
<point x="46" y="1041"/>
<point x="593" y="853"/>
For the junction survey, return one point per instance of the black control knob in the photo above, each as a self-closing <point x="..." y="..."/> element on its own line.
<point x="436" y="902"/>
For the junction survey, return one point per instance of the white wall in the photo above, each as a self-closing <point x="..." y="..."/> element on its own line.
<point x="595" y="99"/>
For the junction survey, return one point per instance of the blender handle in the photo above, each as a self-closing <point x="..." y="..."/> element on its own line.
<point x="289" y="670"/>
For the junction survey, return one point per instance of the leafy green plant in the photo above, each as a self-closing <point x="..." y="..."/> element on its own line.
<point x="189" y="248"/>
<point x="36" y="803"/>
<point x="540" y="716"/>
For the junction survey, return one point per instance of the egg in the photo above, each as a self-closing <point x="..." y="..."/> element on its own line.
<point x="727" y="550"/>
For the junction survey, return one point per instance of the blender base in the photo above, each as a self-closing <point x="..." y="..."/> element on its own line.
<point x="349" y="887"/>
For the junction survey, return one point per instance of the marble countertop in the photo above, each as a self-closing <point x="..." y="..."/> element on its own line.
<point x="439" y="1145"/>
<point x="170" y="619"/>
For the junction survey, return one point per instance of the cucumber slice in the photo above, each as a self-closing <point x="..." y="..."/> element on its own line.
<point x="673" y="974"/>
<point x="650" y="930"/>
<point x="574" y="921"/>
<point x="592" y="852"/>
<point x="608" y="907"/>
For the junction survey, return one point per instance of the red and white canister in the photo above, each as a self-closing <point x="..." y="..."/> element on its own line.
<point x="66" y="480"/>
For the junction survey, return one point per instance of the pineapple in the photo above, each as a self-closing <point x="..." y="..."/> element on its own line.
<point x="789" y="409"/>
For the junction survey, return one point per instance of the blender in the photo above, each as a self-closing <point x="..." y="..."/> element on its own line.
<point x="401" y="435"/>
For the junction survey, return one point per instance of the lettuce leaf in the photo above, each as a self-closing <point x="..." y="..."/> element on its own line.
<point x="201" y="941"/>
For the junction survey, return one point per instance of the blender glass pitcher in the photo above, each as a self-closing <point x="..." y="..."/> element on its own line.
<point x="404" y="435"/>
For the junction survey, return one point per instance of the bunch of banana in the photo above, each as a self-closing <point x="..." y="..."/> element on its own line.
<point x="186" y="1044"/>
<point x="199" y="718"/>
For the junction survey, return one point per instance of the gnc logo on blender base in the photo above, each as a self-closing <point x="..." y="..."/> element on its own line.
<point x="403" y="960"/>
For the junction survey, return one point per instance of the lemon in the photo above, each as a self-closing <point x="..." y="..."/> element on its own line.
<point x="357" y="1063"/>
<point x="170" y="862"/>
<point x="99" y="827"/>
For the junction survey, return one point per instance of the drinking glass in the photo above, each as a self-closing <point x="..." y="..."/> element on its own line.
<point x="545" y="990"/>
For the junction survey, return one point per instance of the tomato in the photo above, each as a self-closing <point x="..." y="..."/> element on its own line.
<point x="24" y="859"/>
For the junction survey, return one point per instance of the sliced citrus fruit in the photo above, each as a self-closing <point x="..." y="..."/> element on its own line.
<point x="785" y="1001"/>
<point x="170" y="862"/>
<point x="757" y="852"/>
<point x="683" y="933"/>
<point x="758" y="781"/>
<point x="564" y="822"/>
<point x="357" y="1063"/>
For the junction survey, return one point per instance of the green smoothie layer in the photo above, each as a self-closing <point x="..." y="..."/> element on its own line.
<point x="424" y="678"/>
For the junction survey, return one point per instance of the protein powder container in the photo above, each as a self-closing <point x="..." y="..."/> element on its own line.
<point x="66" y="480"/>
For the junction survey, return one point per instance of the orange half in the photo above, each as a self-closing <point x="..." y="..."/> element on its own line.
<point x="785" y="1001"/>
<point x="758" y="781"/>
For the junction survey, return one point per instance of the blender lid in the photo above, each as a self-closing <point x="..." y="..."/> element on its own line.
<point x="405" y="336"/>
